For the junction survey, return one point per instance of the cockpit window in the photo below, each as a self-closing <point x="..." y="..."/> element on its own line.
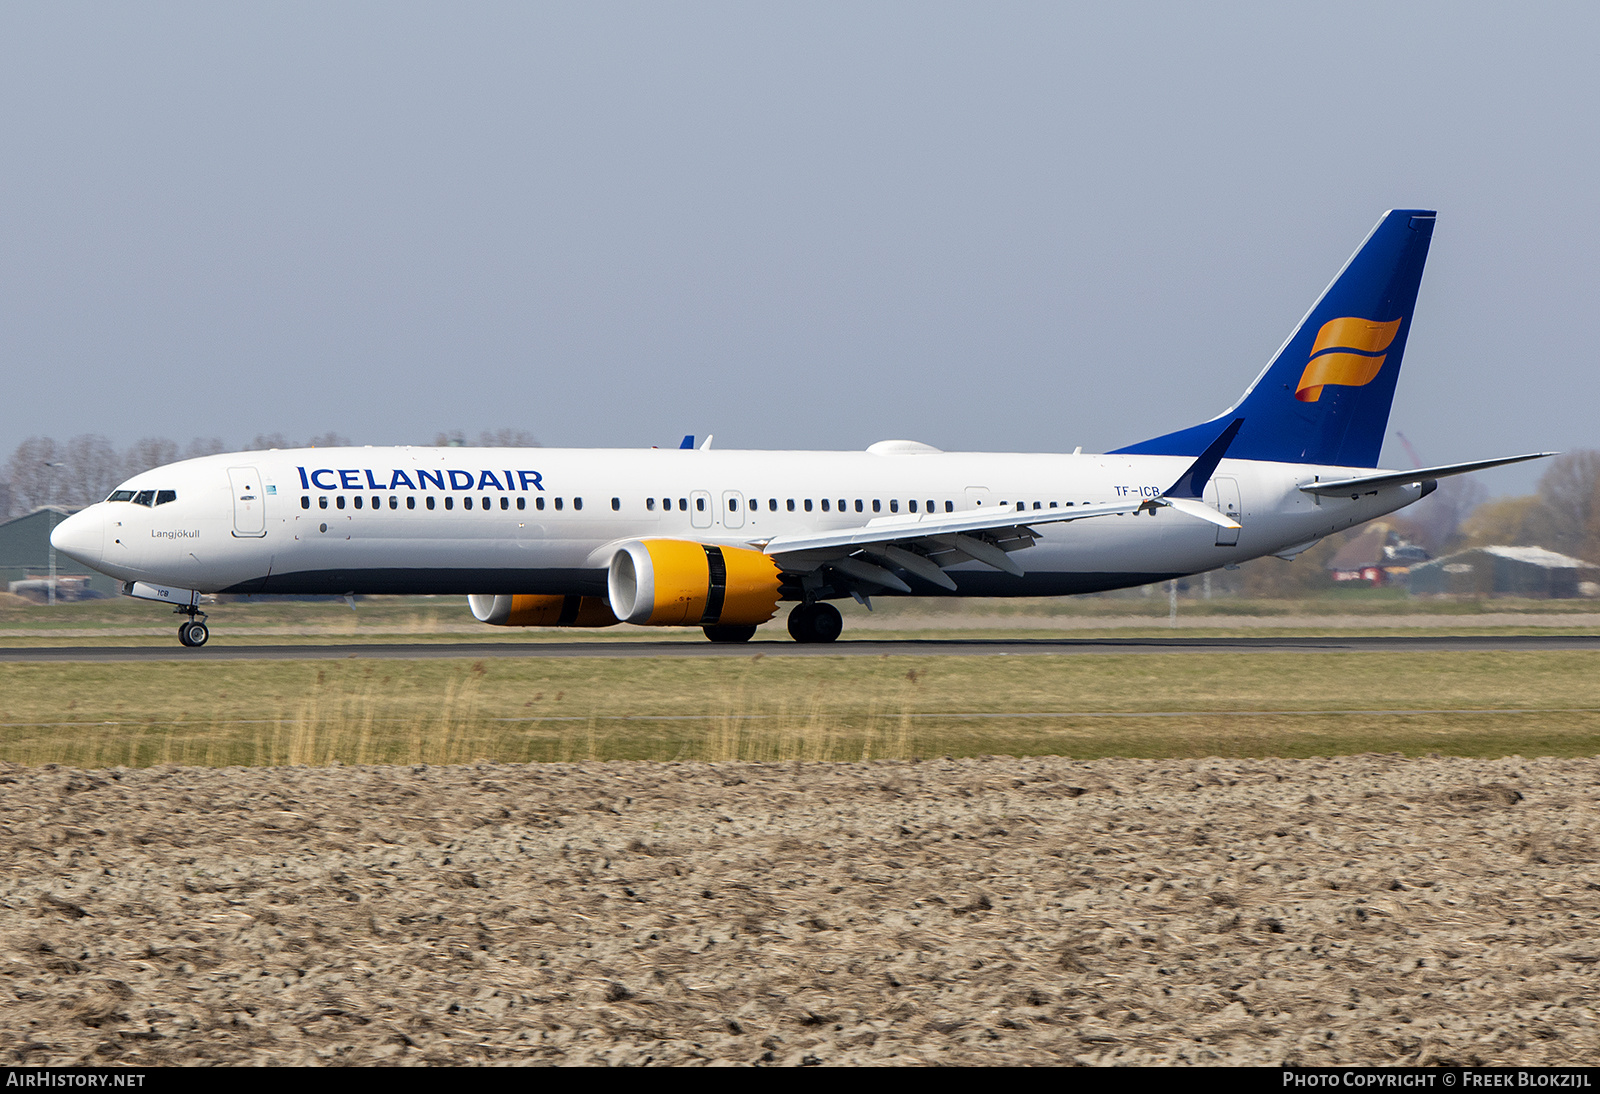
<point x="164" y="496"/>
<point x="121" y="495"/>
<point x="144" y="497"/>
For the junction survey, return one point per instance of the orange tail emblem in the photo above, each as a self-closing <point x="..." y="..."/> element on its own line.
<point x="1348" y="352"/>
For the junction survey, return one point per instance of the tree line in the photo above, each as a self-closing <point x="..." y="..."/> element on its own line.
<point x="83" y="470"/>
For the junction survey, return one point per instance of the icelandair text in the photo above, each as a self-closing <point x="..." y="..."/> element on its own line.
<point x="364" y="478"/>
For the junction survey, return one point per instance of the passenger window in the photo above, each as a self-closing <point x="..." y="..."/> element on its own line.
<point x="930" y="506"/>
<point x="358" y="501"/>
<point x="791" y="505"/>
<point x="808" y="505"/>
<point x="449" y="502"/>
<point x="430" y="501"/>
<point x="843" y="506"/>
<point x="338" y="502"/>
<point x="616" y="504"/>
<point x="538" y="503"/>
<point x="394" y="502"/>
<point x="1052" y="505"/>
<point x="522" y="503"/>
<point x="505" y="503"/>
<point x="650" y="505"/>
<point x="164" y="496"/>
<point x="912" y="504"/>
<point x="754" y="505"/>
<point x="732" y="504"/>
<point x="144" y="497"/>
<point x="824" y="505"/>
<point x="121" y="495"/>
<point x="411" y="502"/>
<point x="772" y="505"/>
<point x="305" y="501"/>
<point x="700" y="504"/>
<point x="322" y="502"/>
<point x="1036" y="505"/>
<point x="894" y="505"/>
<point x="466" y="503"/>
<point x="949" y="507"/>
<point x="577" y="503"/>
<point x="558" y="505"/>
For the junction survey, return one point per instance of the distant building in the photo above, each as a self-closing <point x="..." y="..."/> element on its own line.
<point x="1378" y="556"/>
<point x="25" y="561"/>
<point x="1506" y="571"/>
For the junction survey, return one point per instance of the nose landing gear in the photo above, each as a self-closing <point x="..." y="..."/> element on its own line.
<point x="193" y="631"/>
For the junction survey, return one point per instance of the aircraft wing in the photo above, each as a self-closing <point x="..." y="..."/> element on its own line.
<point x="1001" y="518"/>
<point x="924" y="545"/>
<point x="1361" y="484"/>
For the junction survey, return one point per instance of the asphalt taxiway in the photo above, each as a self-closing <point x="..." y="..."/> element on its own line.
<point x="917" y="647"/>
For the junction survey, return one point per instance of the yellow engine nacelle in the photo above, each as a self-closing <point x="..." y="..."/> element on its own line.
<point x="679" y="583"/>
<point x="542" y="611"/>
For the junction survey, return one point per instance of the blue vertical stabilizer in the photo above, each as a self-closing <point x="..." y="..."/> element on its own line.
<point x="1326" y="395"/>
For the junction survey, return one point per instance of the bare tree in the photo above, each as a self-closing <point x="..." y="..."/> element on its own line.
<point x="92" y="469"/>
<point x="1569" y="492"/>
<point x="489" y="438"/>
<point x="1517" y="522"/>
<point x="1435" y="521"/>
<point x="265" y="441"/>
<point x="328" y="440"/>
<point x="35" y="473"/>
<point x="507" y="438"/>
<point x="204" y="446"/>
<point x="147" y="453"/>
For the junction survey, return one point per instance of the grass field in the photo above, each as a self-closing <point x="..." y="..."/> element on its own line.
<point x="779" y="709"/>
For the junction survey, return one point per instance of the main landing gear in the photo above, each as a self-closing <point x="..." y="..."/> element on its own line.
<point x="815" y="623"/>
<point x="193" y="632"/>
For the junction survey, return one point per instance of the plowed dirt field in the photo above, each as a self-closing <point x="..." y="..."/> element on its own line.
<point x="1369" y="910"/>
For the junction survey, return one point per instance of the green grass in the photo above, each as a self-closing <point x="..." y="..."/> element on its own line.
<point x="821" y="708"/>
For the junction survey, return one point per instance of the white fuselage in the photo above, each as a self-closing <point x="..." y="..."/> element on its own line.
<point x="547" y="521"/>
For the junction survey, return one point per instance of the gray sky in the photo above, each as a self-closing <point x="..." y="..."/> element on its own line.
<point x="984" y="226"/>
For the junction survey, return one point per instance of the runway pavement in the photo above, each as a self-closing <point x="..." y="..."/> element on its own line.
<point x="964" y="647"/>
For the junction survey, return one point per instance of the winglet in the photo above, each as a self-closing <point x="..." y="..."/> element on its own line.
<point x="1192" y="483"/>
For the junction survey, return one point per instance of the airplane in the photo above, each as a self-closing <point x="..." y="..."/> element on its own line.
<point x="695" y="536"/>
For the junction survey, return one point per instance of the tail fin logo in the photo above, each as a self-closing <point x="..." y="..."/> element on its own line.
<point x="1348" y="352"/>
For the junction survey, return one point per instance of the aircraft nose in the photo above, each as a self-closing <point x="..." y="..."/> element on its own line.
<point x="82" y="536"/>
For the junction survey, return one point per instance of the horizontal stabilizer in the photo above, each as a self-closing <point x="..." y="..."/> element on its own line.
<point x="1361" y="484"/>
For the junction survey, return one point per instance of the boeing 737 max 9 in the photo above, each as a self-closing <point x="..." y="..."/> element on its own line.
<point x="717" y="539"/>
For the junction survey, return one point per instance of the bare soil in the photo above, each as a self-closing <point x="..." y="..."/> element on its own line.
<point x="1368" y="910"/>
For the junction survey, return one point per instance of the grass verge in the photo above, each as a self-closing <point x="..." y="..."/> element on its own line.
<point x="780" y="709"/>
